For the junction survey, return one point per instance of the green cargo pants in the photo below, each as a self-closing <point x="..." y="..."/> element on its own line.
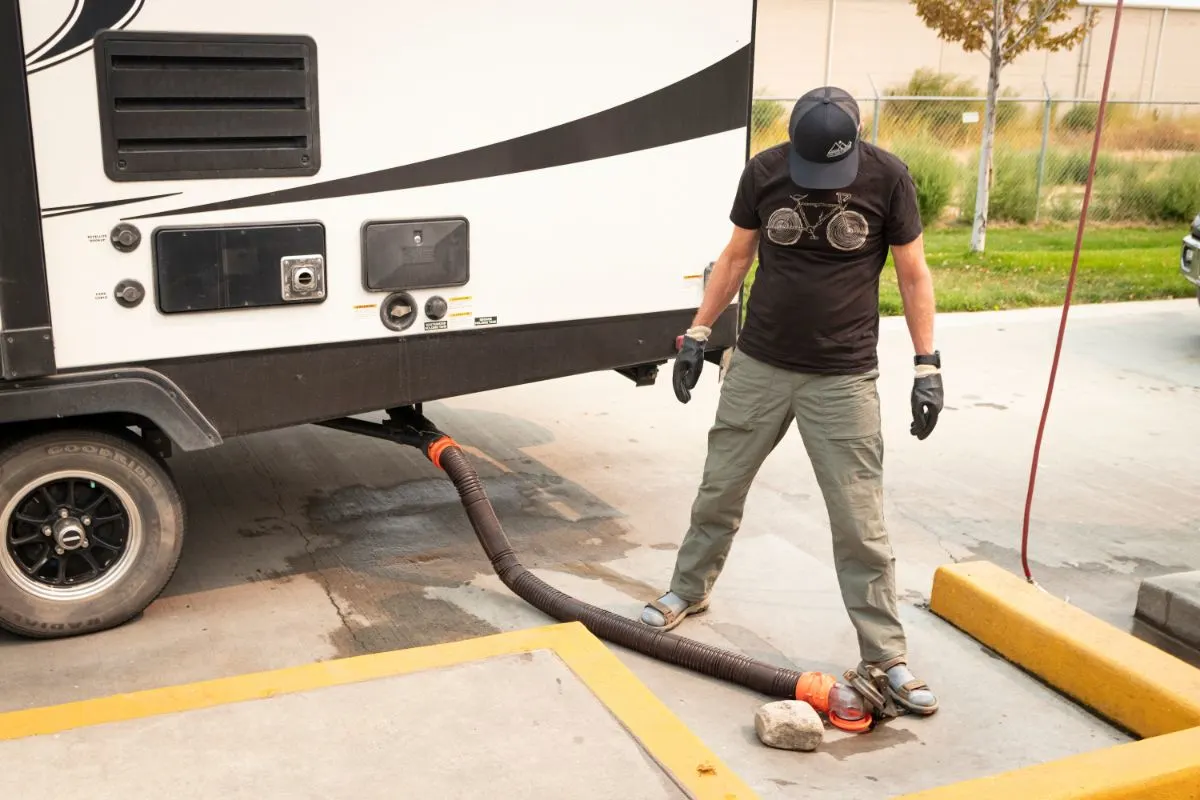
<point x="839" y="423"/>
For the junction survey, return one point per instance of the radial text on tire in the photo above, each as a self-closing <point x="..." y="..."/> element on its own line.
<point x="92" y="528"/>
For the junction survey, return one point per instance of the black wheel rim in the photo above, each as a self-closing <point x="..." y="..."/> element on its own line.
<point x="67" y="532"/>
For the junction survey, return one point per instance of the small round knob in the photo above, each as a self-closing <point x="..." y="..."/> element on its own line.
<point x="129" y="293"/>
<point x="436" y="307"/>
<point x="125" y="237"/>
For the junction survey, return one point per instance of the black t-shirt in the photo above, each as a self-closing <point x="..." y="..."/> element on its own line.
<point x="814" y="304"/>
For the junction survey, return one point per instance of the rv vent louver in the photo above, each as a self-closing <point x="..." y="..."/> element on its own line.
<point x="187" y="106"/>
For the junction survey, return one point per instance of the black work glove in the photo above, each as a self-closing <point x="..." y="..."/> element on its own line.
<point x="927" y="395"/>
<point x="689" y="362"/>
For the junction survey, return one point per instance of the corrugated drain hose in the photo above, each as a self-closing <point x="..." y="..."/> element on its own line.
<point x="855" y="709"/>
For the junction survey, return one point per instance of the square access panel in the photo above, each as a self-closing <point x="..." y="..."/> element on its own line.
<point x="403" y="255"/>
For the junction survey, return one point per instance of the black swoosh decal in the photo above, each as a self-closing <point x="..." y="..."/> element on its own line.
<point x="79" y="208"/>
<point x="97" y="16"/>
<point x="62" y="27"/>
<point x="711" y="101"/>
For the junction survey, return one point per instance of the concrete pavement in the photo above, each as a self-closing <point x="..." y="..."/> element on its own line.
<point x="542" y="712"/>
<point x="308" y="544"/>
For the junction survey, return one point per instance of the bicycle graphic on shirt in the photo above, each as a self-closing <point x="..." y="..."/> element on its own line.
<point x="845" y="228"/>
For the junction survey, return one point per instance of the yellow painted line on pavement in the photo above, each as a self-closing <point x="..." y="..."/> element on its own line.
<point x="1165" y="767"/>
<point x="664" y="736"/>
<point x="1128" y="681"/>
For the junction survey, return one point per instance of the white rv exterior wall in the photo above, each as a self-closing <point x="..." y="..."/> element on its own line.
<point x="401" y="82"/>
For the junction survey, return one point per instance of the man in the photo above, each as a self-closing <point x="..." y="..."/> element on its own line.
<point x="828" y="207"/>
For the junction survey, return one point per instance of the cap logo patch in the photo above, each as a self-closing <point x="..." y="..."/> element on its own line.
<point x="840" y="148"/>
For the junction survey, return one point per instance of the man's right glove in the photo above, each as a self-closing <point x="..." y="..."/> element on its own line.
<point x="927" y="394"/>
<point x="690" y="361"/>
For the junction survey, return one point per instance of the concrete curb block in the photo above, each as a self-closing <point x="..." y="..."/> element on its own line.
<point x="1120" y="677"/>
<point x="1129" y="682"/>
<point x="1171" y="603"/>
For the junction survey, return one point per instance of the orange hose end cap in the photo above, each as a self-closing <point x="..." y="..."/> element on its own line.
<point x="814" y="688"/>
<point x="851" y="725"/>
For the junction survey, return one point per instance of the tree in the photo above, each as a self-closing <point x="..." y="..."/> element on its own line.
<point x="1001" y="30"/>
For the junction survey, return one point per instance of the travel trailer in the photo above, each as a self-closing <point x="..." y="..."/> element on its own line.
<point x="229" y="217"/>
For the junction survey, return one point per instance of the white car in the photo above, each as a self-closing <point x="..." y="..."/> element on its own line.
<point x="1189" y="256"/>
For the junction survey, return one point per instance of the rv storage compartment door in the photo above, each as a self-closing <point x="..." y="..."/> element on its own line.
<point x="209" y="269"/>
<point x="415" y="254"/>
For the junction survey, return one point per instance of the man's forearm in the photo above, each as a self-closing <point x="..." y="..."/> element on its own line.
<point x="919" y="310"/>
<point x="724" y="281"/>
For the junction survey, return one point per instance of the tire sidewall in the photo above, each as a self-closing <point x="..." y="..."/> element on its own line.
<point x="121" y="462"/>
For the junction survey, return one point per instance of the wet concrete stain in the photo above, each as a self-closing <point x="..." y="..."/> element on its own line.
<point x="882" y="738"/>
<point x="265" y="526"/>
<point x="377" y="551"/>
<point x="622" y="583"/>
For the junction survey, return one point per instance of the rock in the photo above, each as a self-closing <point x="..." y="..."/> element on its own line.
<point x="789" y="725"/>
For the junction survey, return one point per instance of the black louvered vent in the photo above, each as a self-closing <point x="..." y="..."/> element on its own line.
<point x="187" y="106"/>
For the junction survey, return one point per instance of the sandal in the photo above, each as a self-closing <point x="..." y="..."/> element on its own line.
<point x="903" y="694"/>
<point x="671" y="617"/>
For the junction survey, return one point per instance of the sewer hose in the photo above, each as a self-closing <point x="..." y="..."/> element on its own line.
<point x="855" y="705"/>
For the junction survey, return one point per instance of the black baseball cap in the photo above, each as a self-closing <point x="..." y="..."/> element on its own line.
<point x="824" y="139"/>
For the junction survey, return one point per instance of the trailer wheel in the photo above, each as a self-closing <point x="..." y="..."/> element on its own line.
<point x="92" y="528"/>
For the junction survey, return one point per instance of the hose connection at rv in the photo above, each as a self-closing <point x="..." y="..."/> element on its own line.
<point x="856" y="705"/>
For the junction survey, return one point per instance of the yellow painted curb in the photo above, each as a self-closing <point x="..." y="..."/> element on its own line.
<point x="664" y="736"/>
<point x="1131" y="683"/>
<point x="1166" y="767"/>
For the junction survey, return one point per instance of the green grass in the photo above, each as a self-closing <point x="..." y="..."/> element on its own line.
<point x="1026" y="267"/>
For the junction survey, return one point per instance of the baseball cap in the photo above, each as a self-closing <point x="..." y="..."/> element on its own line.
<point x="824" y="139"/>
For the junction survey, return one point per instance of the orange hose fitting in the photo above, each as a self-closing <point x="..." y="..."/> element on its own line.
<point x="437" y="448"/>
<point x="814" y="688"/>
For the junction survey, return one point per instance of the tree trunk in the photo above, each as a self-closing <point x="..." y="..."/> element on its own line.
<point x="984" y="186"/>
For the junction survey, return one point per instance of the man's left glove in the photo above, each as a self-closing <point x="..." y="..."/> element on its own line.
<point x="927" y="395"/>
<point x="690" y="361"/>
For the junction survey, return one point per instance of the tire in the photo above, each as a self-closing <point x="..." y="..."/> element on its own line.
<point x="136" y="536"/>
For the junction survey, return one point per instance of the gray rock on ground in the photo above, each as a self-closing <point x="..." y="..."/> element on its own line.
<point x="789" y="725"/>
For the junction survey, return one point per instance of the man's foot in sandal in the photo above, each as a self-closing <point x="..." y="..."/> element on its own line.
<point x="669" y="610"/>
<point x="908" y="690"/>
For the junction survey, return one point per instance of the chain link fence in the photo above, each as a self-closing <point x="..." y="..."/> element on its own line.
<point x="1148" y="170"/>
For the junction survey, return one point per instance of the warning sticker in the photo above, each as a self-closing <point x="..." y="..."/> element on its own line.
<point x="481" y="321"/>
<point x="436" y="325"/>
<point x="460" y="319"/>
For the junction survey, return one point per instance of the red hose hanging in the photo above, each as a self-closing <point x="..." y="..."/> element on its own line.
<point x="1062" y="325"/>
